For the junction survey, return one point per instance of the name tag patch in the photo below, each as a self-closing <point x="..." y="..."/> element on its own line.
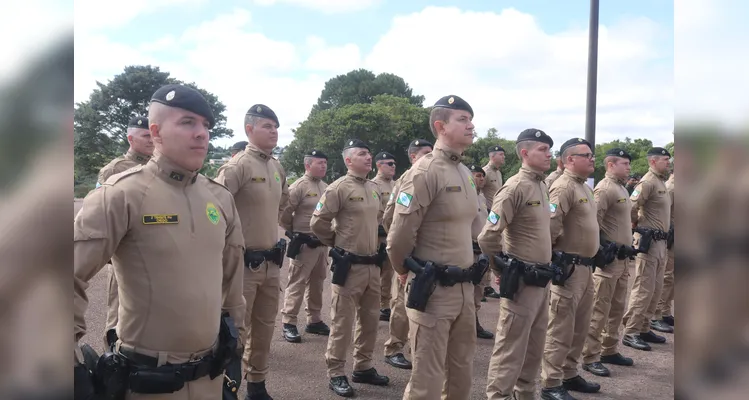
<point x="583" y="200"/>
<point x="257" y="179"/>
<point x="310" y="195"/>
<point x="158" y="219"/>
<point x="661" y="192"/>
<point x="453" y="189"/>
<point x="534" y="203"/>
<point x="356" y="199"/>
<point x="622" y="200"/>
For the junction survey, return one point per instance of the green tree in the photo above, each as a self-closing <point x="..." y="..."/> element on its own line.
<point x="389" y="123"/>
<point x="100" y="123"/>
<point x="638" y="149"/>
<point x="361" y="87"/>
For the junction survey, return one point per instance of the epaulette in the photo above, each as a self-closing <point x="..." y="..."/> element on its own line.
<point x="424" y="162"/>
<point x="118" y="177"/>
<point x="215" y="182"/>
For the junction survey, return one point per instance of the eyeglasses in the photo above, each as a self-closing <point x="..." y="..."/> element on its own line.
<point x="390" y="164"/>
<point x="585" y="155"/>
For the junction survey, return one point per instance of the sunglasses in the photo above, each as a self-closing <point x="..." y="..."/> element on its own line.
<point x="584" y="155"/>
<point x="390" y="163"/>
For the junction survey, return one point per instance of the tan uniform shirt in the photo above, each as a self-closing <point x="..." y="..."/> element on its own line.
<point x="387" y="217"/>
<point x="670" y="189"/>
<point x="258" y="183"/>
<point x="493" y="181"/>
<point x="304" y="194"/>
<point x="386" y="186"/>
<point x="651" y="204"/>
<point x="176" y="246"/>
<point x="521" y="211"/>
<point x="121" y="164"/>
<point x="553" y="176"/>
<point x="434" y="210"/>
<point x="614" y="207"/>
<point x="355" y="205"/>
<point x="574" y="223"/>
<point x="480" y="220"/>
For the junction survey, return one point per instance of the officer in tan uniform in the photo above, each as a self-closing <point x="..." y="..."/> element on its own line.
<point x="385" y="163"/>
<point x="140" y="151"/>
<point x="479" y="177"/>
<point x="557" y="172"/>
<point x="309" y="268"/>
<point x="237" y="148"/>
<point x="354" y="203"/>
<point x="493" y="173"/>
<point x="435" y="207"/>
<point x="520" y="214"/>
<point x="175" y="241"/>
<point x="651" y="214"/>
<point x="610" y="282"/>
<point x="258" y="183"/>
<point x="667" y="297"/>
<point x="575" y="239"/>
<point x="398" y="325"/>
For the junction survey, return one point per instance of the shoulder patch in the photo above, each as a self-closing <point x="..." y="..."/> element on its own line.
<point x="118" y="177"/>
<point x="493" y="218"/>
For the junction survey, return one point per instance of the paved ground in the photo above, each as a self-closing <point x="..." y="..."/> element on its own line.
<point x="298" y="370"/>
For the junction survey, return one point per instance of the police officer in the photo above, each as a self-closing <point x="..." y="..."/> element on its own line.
<point x="140" y="151"/>
<point x="479" y="177"/>
<point x="175" y="241"/>
<point x="398" y="326"/>
<point x="557" y="172"/>
<point x="663" y="312"/>
<point x="308" y="270"/>
<point x="520" y="213"/>
<point x="610" y="282"/>
<point x="238" y="147"/>
<point x="258" y="183"/>
<point x="651" y="214"/>
<point x="574" y="233"/>
<point x="432" y="221"/>
<point x="385" y="163"/>
<point x="493" y="173"/>
<point x="354" y="203"/>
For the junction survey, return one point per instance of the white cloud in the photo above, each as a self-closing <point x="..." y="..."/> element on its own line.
<point x="325" y="6"/>
<point x="513" y="73"/>
<point x="93" y="15"/>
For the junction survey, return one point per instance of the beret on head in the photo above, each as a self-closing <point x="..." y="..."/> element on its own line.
<point x="355" y="143"/>
<point x="455" y="103"/>
<point x="495" y="149"/>
<point x="658" y="151"/>
<point x="263" y="111"/>
<point x="186" y="98"/>
<point x="314" y="153"/>
<point x="420" y="143"/>
<point x="239" y="145"/>
<point x="476" y="168"/>
<point x="138" y="122"/>
<point x="574" y="142"/>
<point x="384" y="155"/>
<point x="617" y="152"/>
<point x="536" y="135"/>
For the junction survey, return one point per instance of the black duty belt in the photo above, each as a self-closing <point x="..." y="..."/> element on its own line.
<point x="568" y="258"/>
<point x="659" y="234"/>
<point x="357" y="259"/>
<point x="192" y="370"/>
<point x="449" y="275"/>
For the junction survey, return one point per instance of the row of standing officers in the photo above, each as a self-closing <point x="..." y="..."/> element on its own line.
<point x="186" y="251"/>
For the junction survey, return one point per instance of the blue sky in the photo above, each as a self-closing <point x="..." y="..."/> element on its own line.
<point x="519" y="63"/>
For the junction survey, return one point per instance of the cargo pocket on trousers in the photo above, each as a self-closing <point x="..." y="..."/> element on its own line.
<point x="559" y="301"/>
<point x="424" y="324"/>
<point x="511" y="321"/>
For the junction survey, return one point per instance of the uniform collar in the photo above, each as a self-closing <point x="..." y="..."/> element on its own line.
<point x="492" y="166"/>
<point x="257" y="152"/>
<point x="379" y="175"/>
<point x="575" y="177"/>
<point x="171" y="172"/>
<point x="136" y="156"/>
<point x="358" y="179"/>
<point x="621" y="181"/>
<point x="447" y="153"/>
<point x="312" y="178"/>
<point x="662" y="177"/>
<point x="535" y="175"/>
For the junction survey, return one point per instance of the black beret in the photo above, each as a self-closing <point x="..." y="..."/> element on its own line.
<point x="384" y="155"/>
<point x="658" y="151"/>
<point x="186" y="98"/>
<point x="476" y="168"/>
<point x="355" y="143"/>
<point x="138" y="122"/>
<point x="574" y="142"/>
<point x="496" y="148"/>
<point x="263" y="111"/>
<point x="455" y="103"/>
<point x="619" y="153"/>
<point x="420" y="143"/>
<point x="535" y="135"/>
<point x="239" y="145"/>
<point x="316" y="154"/>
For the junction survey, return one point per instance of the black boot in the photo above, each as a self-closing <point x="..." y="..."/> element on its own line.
<point x="651" y="337"/>
<point x="661" y="326"/>
<point x="290" y="334"/>
<point x="669" y="319"/>
<point x="384" y="314"/>
<point x="341" y="387"/>
<point x="556" y="393"/>
<point x="635" y="342"/>
<point x="618" y="359"/>
<point x="371" y="377"/>
<point x="578" y="384"/>
<point x="256" y="391"/>
<point x="318" y="328"/>
<point x="482" y="333"/>
<point x="596" y="368"/>
<point x="399" y="361"/>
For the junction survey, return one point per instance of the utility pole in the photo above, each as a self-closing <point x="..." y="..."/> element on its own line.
<point x="590" y="106"/>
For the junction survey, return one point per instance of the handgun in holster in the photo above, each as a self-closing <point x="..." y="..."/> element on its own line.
<point x="111" y="376"/>
<point x="626" y="251"/>
<point x="606" y="254"/>
<point x="422" y="285"/>
<point x="228" y="340"/>
<point x="295" y="244"/>
<point x="382" y="255"/>
<point x="670" y="239"/>
<point x="381" y="231"/>
<point x="479" y="269"/>
<point x="83" y="375"/>
<point x="280" y="251"/>
<point x="646" y="238"/>
<point x="476" y="248"/>
<point x="340" y="266"/>
<point x="512" y="271"/>
<point x="560" y="262"/>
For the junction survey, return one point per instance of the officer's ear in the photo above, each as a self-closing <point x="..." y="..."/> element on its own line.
<point x="155" y="133"/>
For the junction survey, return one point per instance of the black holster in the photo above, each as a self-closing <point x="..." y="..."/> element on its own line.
<point x="646" y="238"/>
<point x="381" y="231"/>
<point x="561" y="261"/>
<point x="382" y="254"/>
<point x="626" y="252"/>
<point x="297" y="239"/>
<point x="541" y="275"/>
<point x="476" y="248"/>
<point x="670" y="240"/>
<point x="422" y="285"/>
<point x="228" y="340"/>
<point x="253" y="259"/>
<point x="340" y="266"/>
<point x="606" y="254"/>
<point x="83" y="375"/>
<point x="111" y="376"/>
<point x="479" y="269"/>
<point x="511" y="271"/>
